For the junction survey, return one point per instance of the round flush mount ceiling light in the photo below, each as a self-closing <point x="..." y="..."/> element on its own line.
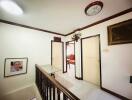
<point x="93" y="8"/>
<point x="11" y="7"/>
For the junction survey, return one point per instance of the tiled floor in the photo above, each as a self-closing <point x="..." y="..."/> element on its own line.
<point x="83" y="89"/>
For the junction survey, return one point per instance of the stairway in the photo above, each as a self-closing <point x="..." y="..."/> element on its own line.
<point x="28" y="93"/>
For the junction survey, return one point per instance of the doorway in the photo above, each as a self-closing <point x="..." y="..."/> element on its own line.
<point x="57" y="54"/>
<point x="70" y="58"/>
<point x="91" y="60"/>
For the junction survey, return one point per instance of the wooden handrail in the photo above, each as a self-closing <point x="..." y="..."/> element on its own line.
<point x="57" y="85"/>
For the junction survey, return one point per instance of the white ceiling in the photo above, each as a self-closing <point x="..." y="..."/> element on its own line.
<point x="62" y="16"/>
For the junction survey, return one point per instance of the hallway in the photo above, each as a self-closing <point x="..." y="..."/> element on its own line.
<point x="83" y="89"/>
<point x="71" y="70"/>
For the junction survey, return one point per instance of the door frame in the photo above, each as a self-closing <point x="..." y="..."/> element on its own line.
<point x="62" y="54"/>
<point x="98" y="35"/>
<point x="66" y="56"/>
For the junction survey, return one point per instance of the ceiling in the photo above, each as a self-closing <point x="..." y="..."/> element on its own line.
<point x="62" y="16"/>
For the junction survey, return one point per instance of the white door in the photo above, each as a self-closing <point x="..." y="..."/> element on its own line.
<point x="57" y="55"/>
<point x="91" y="61"/>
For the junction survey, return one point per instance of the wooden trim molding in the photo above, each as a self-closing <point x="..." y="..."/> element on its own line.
<point x="81" y="60"/>
<point x="68" y="42"/>
<point x="79" y="78"/>
<point x="79" y="29"/>
<point x="115" y="94"/>
<point x="101" y="21"/>
<point x="63" y="56"/>
<point x="29" y="27"/>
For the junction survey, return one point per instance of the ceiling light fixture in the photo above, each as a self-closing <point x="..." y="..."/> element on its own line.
<point x="93" y="8"/>
<point x="11" y="7"/>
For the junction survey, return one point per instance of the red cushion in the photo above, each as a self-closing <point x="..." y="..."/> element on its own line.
<point x="72" y="57"/>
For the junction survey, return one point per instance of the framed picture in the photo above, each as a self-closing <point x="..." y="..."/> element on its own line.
<point x="120" y="33"/>
<point x="15" y="66"/>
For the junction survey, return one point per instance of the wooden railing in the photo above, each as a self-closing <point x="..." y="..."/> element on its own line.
<point x="50" y="88"/>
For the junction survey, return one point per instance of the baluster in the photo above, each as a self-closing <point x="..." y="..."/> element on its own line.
<point x="41" y="83"/>
<point x="58" y="94"/>
<point x="64" y="97"/>
<point x="50" y="89"/>
<point x="36" y="76"/>
<point x="46" y="89"/>
<point x="37" y="73"/>
<point x="39" y="80"/>
<point x="50" y="85"/>
<point x="43" y="90"/>
<point x="53" y="92"/>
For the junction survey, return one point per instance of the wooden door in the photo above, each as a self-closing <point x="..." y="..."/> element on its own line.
<point x="91" y="59"/>
<point x="57" y="54"/>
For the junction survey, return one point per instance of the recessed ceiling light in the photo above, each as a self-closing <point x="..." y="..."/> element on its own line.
<point x="11" y="7"/>
<point x="93" y="8"/>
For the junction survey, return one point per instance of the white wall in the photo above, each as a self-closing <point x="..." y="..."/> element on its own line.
<point x="116" y="60"/>
<point x="22" y="42"/>
<point x="17" y="42"/>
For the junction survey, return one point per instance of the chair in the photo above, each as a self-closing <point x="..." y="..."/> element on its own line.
<point x="70" y="59"/>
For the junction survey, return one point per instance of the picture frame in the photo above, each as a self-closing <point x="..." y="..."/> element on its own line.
<point x="120" y="33"/>
<point x="15" y="66"/>
<point x="57" y="39"/>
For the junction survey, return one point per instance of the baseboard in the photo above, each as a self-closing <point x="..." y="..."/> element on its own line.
<point x="115" y="94"/>
<point x="64" y="71"/>
<point x="79" y="78"/>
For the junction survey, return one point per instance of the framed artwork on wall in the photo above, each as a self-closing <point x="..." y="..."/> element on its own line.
<point x="15" y="66"/>
<point x="120" y="33"/>
<point x="57" y="39"/>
